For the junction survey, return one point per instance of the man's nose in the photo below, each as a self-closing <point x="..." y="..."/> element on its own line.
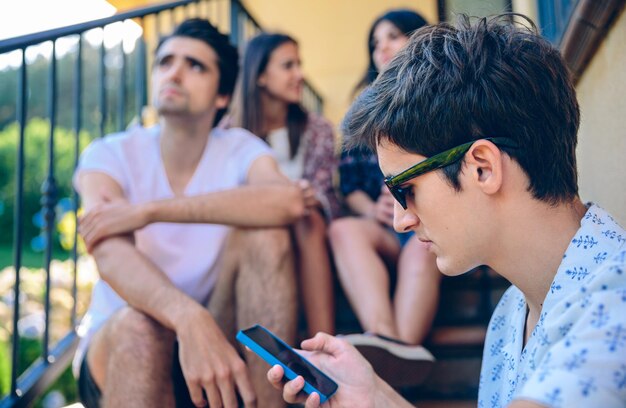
<point x="404" y="220"/>
<point x="174" y="73"/>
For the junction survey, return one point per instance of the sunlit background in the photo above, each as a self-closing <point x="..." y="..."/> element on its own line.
<point x="21" y="20"/>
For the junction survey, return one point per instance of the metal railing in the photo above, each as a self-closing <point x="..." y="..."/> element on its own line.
<point x="121" y="97"/>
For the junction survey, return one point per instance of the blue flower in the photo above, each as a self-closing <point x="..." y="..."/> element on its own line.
<point x="616" y="338"/>
<point x="600" y="317"/>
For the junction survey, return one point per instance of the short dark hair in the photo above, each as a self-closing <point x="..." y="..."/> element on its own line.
<point x="451" y="85"/>
<point x="227" y="55"/>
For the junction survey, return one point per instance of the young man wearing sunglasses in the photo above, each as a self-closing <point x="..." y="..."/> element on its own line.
<point x="476" y="128"/>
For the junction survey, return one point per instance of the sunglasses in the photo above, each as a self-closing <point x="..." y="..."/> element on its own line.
<point x="443" y="159"/>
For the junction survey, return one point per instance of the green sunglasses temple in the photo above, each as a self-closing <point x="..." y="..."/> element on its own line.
<point x="435" y="162"/>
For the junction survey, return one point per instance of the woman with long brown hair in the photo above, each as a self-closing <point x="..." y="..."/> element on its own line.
<point x="269" y="106"/>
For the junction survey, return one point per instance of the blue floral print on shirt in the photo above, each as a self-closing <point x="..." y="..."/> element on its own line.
<point x="576" y="355"/>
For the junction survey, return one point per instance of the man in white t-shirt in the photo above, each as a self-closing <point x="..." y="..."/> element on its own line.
<point x="177" y="217"/>
<point x="475" y="127"/>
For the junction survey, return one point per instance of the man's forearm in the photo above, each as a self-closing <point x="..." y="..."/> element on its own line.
<point x="140" y="283"/>
<point x="387" y="397"/>
<point x="248" y="206"/>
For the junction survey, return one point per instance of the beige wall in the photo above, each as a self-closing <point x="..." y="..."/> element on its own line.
<point x="602" y="137"/>
<point x="333" y="39"/>
<point x="526" y="7"/>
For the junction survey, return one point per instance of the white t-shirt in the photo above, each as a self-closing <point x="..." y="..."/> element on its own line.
<point x="576" y="355"/>
<point x="292" y="167"/>
<point x="186" y="253"/>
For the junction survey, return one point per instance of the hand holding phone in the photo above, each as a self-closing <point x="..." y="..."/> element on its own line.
<point x="275" y="351"/>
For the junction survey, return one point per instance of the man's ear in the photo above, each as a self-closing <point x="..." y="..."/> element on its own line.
<point x="484" y="160"/>
<point x="222" y="101"/>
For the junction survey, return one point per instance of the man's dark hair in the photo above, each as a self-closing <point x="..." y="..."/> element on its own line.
<point x="227" y="55"/>
<point x="452" y="85"/>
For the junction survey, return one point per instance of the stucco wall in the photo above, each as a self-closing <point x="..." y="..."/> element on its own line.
<point x="601" y="149"/>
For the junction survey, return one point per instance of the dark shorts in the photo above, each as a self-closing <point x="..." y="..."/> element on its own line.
<point x="90" y="394"/>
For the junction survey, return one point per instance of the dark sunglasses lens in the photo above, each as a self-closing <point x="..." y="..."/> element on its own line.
<point x="400" y="195"/>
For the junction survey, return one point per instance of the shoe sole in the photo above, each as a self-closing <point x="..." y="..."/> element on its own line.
<point x="396" y="364"/>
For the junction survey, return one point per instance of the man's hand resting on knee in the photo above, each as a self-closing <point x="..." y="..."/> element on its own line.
<point x="210" y="363"/>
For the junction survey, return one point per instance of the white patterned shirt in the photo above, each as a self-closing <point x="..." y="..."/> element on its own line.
<point x="576" y="355"/>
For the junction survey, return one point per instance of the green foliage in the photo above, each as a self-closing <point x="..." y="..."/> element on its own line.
<point x="36" y="147"/>
<point x="30" y="258"/>
<point x="37" y="86"/>
<point x="5" y="367"/>
<point x="30" y="349"/>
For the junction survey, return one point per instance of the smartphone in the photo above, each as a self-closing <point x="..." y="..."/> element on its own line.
<point x="275" y="351"/>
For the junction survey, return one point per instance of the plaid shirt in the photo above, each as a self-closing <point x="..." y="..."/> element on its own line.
<point x="358" y="170"/>
<point x="320" y="162"/>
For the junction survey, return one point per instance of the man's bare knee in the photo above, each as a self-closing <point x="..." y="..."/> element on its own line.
<point x="266" y="288"/>
<point x="266" y="243"/>
<point x="132" y="331"/>
<point x="129" y="334"/>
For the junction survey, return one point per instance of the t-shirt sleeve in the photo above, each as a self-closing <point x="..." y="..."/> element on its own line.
<point x="587" y="367"/>
<point x="101" y="156"/>
<point x="247" y="150"/>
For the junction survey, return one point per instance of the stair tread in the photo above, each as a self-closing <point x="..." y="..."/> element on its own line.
<point x="473" y="335"/>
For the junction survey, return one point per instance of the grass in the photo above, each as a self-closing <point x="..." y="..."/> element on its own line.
<point x="30" y="258"/>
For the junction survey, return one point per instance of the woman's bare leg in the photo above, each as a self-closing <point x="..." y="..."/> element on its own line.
<point x="360" y="247"/>
<point x="417" y="292"/>
<point x="315" y="275"/>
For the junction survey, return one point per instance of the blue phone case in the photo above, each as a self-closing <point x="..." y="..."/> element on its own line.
<point x="289" y="373"/>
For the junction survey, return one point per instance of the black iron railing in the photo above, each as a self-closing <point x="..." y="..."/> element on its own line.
<point x="121" y="98"/>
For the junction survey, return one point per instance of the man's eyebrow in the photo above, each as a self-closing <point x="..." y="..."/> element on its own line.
<point x="196" y="61"/>
<point x="161" y="57"/>
<point x="188" y="58"/>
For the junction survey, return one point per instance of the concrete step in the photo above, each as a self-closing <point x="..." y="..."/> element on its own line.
<point x="446" y="404"/>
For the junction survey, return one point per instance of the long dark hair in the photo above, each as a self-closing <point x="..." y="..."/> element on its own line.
<point x="406" y="21"/>
<point x="255" y="61"/>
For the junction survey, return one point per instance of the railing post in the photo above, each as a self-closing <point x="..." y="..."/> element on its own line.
<point x="140" y="78"/>
<point x="102" y="82"/>
<point x="17" y="220"/>
<point x="235" y="8"/>
<point x="49" y="196"/>
<point x="121" y="95"/>
<point x="78" y="93"/>
<point x="172" y="19"/>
